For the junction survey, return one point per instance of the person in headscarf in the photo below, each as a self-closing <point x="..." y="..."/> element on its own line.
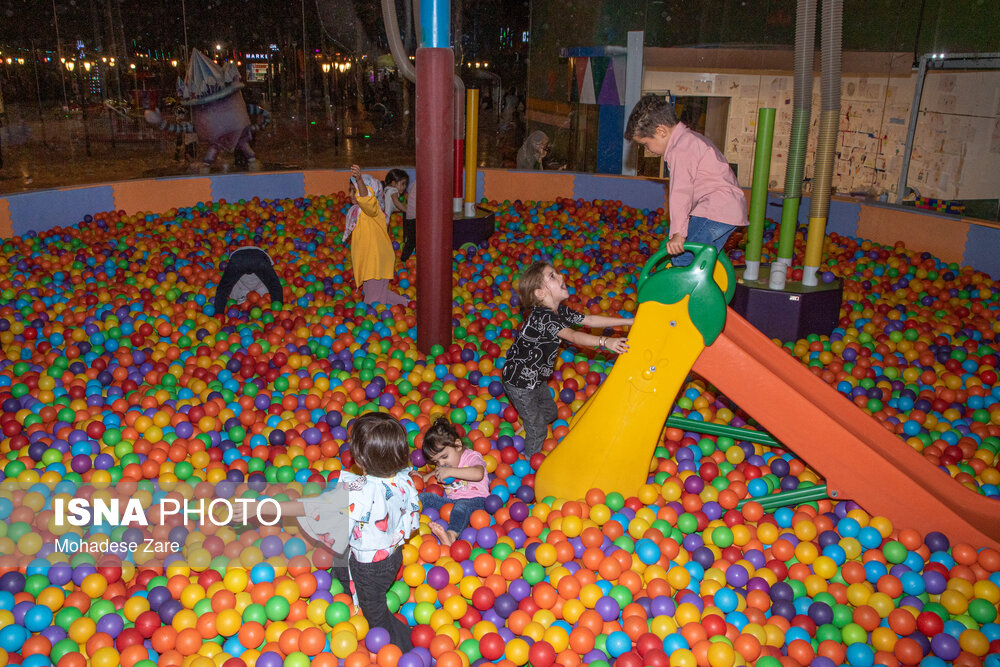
<point x="533" y="150"/>
<point x="372" y="255"/>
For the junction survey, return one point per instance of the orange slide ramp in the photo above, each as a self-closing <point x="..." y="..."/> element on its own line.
<point x="860" y="459"/>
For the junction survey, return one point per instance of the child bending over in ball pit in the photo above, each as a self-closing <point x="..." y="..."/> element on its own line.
<point x="443" y="448"/>
<point x="249" y="269"/>
<point x="384" y="512"/>
<point x="531" y="359"/>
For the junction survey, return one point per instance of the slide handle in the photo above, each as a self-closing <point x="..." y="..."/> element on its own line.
<point x="698" y="249"/>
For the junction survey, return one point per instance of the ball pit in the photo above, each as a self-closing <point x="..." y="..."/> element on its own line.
<point x="115" y="375"/>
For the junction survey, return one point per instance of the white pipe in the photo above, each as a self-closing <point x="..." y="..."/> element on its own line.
<point x="778" y="275"/>
<point x="809" y="275"/>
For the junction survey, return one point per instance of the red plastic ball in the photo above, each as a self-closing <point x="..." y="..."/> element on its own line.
<point x="483" y="598"/>
<point x="630" y="659"/>
<point x="147" y="623"/>
<point x="422" y="635"/>
<point x="491" y="646"/>
<point x="541" y="654"/>
<point x="128" y="637"/>
<point x="929" y="623"/>
<point x="646" y="643"/>
<point x="461" y="550"/>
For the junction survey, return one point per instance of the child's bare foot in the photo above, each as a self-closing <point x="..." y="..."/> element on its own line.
<point x="445" y="537"/>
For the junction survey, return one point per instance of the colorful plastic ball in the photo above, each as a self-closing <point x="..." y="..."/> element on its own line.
<point x="376" y="639"/>
<point x="945" y="646"/>
<point x="618" y="643"/>
<point x="541" y="654"/>
<point x="39" y="617"/>
<point x="12" y="638"/>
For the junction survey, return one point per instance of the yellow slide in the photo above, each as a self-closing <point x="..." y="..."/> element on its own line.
<point x="612" y="438"/>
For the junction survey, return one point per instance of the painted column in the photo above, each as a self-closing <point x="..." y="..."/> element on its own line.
<point x="435" y="128"/>
<point x="633" y="91"/>
<point x="471" y="149"/>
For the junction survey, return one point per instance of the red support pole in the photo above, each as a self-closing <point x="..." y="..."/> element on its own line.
<point x="435" y="134"/>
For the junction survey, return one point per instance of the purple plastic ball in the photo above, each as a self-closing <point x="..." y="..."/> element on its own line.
<point x="59" y="575"/>
<point x="519" y="512"/>
<point x="157" y="596"/>
<point x="608" y="608"/>
<point x="504" y="605"/>
<point x="694" y="484"/>
<point x="936" y="541"/>
<point x="935" y="582"/>
<point x="169" y="609"/>
<point x="271" y="546"/>
<point x="437" y="577"/>
<point x="486" y="537"/>
<point x="519" y="589"/>
<point x="376" y="639"/>
<point x="408" y="659"/>
<point x="737" y="575"/>
<point x="493" y="503"/>
<point x="111" y="624"/>
<point x="269" y="659"/>
<point x="945" y="646"/>
<point x="80" y="464"/>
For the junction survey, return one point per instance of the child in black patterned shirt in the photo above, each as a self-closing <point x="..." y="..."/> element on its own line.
<point x="531" y="359"/>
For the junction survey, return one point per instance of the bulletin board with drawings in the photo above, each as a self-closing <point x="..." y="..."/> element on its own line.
<point x="956" y="150"/>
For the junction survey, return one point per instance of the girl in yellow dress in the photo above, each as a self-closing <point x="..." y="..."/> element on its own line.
<point x="372" y="256"/>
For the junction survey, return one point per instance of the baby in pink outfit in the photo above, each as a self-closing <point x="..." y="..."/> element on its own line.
<point x="465" y="469"/>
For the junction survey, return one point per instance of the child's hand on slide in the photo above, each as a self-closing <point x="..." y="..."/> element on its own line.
<point x="619" y="345"/>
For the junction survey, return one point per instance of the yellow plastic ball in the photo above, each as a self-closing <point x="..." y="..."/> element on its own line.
<point x="82" y="629"/>
<point x="135" y="606"/>
<point x="517" y="651"/>
<point x="343" y="644"/>
<point x="235" y="579"/>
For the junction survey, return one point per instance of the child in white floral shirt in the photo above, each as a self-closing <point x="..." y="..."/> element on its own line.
<point x="384" y="511"/>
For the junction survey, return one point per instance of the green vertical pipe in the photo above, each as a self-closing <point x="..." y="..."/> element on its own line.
<point x="789" y="223"/>
<point x="758" y="189"/>
<point x="793" y="182"/>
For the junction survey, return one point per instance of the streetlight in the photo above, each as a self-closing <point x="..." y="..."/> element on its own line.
<point x="70" y="66"/>
<point x="326" y="92"/>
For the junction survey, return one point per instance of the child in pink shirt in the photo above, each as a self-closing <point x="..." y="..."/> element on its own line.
<point x="706" y="202"/>
<point x="466" y="468"/>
